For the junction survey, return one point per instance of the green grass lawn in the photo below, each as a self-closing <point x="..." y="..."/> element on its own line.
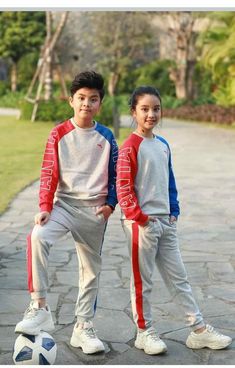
<point x="22" y="145"/>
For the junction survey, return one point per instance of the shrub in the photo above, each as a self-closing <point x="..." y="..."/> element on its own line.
<point x="105" y="116"/>
<point x="206" y="113"/>
<point x="54" y="110"/>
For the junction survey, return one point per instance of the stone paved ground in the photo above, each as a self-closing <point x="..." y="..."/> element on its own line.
<point x="204" y="165"/>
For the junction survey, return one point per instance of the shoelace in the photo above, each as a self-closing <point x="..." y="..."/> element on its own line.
<point x="30" y="313"/>
<point x="153" y="334"/>
<point x="90" y="332"/>
<point x="211" y="329"/>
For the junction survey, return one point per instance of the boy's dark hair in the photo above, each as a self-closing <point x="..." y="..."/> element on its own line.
<point x="141" y="91"/>
<point x="88" y="79"/>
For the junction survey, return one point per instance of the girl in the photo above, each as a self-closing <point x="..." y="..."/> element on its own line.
<point x="147" y="196"/>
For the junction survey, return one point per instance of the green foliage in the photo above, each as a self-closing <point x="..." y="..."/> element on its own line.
<point x="105" y="115"/>
<point x="20" y="33"/>
<point x="204" y="85"/>
<point x="171" y="102"/>
<point x="11" y="99"/>
<point x="54" y="110"/>
<point x="155" y="74"/>
<point x="26" y="69"/>
<point x="4" y="88"/>
<point x="219" y="55"/>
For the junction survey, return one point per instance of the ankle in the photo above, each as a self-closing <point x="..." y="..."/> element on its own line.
<point x="41" y="303"/>
<point x="200" y="330"/>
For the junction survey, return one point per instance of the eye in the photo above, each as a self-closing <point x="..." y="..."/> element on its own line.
<point x="157" y="109"/>
<point x="94" y="100"/>
<point x="145" y="109"/>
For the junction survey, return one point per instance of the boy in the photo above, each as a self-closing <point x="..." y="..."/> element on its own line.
<point x="77" y="194"/>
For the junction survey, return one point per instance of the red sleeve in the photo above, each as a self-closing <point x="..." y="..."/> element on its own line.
<point x="127" y="167"/>
<point x="49" y="172"/>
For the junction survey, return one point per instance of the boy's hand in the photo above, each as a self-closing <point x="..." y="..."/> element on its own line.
<point x="41" y="218"/>
<point x="105" y="210"/>
<point x="172" y="219"/>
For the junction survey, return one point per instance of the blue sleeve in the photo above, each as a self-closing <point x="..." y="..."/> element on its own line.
<point x="174" y="203"/>
<point x="112" y="194"/>
<point x="107" y="133"/>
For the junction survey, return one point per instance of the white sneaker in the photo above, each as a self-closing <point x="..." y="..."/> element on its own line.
<point x="85" y="337"/>
<point x="210" y="338"/>
<point x="35" y="320"/>
<point x="150" y="342"/>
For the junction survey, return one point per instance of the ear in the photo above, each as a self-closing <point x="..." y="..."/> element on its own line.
<point x="71" y="101"/>
<point x="133" y="113"/>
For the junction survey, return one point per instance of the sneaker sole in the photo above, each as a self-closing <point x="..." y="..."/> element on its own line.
<point x="210" y="346"/>
<point x="75" y="344"/>
<point x="47" y="327"/>
<point x="160" y="351"/>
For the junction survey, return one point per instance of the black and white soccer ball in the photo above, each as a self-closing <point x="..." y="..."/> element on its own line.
<point x="35" y="350"/>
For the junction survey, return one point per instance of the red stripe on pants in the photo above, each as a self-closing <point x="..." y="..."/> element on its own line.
<point x="29" y="263"/>
<point x="137" y="276"/>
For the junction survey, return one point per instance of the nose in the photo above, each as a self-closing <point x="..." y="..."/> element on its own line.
<point x="151" y="114"/>
<point x="86" y="102"/>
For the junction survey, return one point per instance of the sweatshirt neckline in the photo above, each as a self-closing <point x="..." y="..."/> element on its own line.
<point x="84" y="130"/>
<point x="146" y="138"/>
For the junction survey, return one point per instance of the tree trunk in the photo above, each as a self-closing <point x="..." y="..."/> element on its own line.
<point x="48" y="74"/>
<point x="112" y="84"/>
<point x="181" y="27"/>
<point x="14" y="77"/>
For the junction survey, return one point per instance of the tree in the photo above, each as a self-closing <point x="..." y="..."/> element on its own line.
<point x="218" y="55"/>
<point x="120" y="40"/>
<point x="182" y="28"/>
<point x="20" y="33"/>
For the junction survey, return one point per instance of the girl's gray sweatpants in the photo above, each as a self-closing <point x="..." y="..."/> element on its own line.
<point x="151" y="245"/>
<point x="87" y="230"/>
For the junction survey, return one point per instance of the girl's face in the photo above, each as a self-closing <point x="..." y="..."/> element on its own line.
<point x="147" y="113"/>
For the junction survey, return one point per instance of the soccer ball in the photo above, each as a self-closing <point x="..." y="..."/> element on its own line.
<point x="35" y="350"/>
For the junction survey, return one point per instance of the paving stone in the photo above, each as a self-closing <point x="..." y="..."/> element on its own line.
<point x="65" y="356"/>
<point x="224" y="292"/>
<point x="121" y="348"/>
<point x="175" y="352"/>
<point x="7" y="338"/>
<point x="112" y="298"/>
<point x="109" y="278"/>
<point x="66" y="313"/>
<point x="114" y="326"/>
<point x="214" y="307"/>
<point x="67" y="278"/>
<point x="6" y="359"/>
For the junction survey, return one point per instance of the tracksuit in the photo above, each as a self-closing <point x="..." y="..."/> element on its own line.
<point x="146" y="187"/>
<point x="78" y="175"/>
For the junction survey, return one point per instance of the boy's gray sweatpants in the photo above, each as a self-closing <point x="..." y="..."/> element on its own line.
<point x="157" y="244"/>
<point x="87" y="230"/>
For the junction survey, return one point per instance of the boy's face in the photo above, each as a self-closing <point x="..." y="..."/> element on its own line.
<point x="85" y="103"/>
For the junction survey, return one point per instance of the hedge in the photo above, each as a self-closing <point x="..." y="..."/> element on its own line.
<point x="206" y="113"/>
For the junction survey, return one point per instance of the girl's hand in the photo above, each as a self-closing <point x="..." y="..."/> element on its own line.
<point x="106" y="210"/>
<point x="41" y="218"/>
<point x="172" y="219"/>
<point x="150" y="218"/>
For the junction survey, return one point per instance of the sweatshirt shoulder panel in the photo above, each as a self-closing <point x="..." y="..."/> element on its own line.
<point x="133" y="140"/>
<point x="163" y="140"/>
<point x="64" y="128"/>
<point x="105" y="132"/>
